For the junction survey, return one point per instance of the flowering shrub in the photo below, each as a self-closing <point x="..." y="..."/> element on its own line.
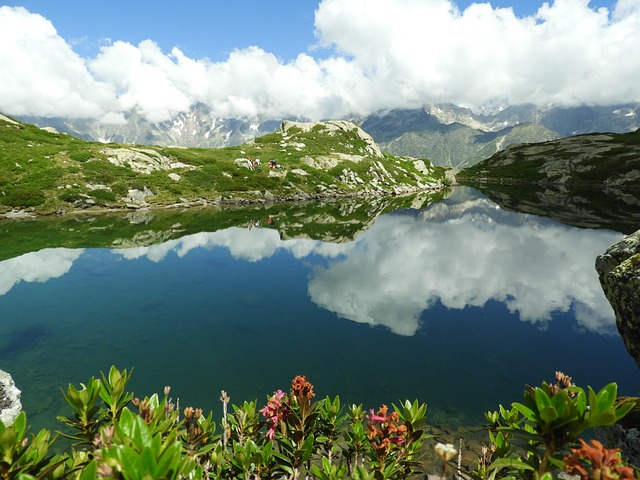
<point x="603" y="463"/>
<point x="121" y="437"/>
<point x="275" y="411"/>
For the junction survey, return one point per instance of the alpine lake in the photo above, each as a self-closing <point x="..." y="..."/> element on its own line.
<point x="456" y="299"/>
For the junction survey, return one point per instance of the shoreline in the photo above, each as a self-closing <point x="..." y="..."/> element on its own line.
<point x="267" y="199"/>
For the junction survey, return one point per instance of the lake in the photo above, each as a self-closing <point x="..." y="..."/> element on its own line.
<point x="455" y="302"/>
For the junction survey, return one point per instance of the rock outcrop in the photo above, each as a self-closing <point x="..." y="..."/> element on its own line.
<point x="610" y="161"/>
<point x="10" y="405"/>
<point x="619" y="272"/>
<point x="142" y="160"/>
<point x="372" y="148"/>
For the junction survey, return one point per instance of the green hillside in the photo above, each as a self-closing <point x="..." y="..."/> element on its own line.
<point x="50" y="172"/>
<point x="606" y="159"/>
<point x="460" y="146"/>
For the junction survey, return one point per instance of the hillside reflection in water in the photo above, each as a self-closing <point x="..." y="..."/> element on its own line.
<point x="468" y="297"/>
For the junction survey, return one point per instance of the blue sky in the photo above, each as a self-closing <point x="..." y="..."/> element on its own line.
<point x="312" y="59"/>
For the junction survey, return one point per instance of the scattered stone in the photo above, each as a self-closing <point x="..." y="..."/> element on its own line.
<point x="277" y="173"/>
<point x="142" y="160"/>
<point x="10" y="405"/>
<point x="138" y="198"/>
<point x="320" y="162"/>
<point x="92" y="187"/>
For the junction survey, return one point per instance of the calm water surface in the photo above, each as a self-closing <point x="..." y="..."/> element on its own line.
<point x="459" y="305"/>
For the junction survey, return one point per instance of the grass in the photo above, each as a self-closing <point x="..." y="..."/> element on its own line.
<point x="52" y="172"/>
<point x="604" y="159"/>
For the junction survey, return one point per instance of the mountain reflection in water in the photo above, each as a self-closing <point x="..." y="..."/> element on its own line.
<point x="248" y="310"/>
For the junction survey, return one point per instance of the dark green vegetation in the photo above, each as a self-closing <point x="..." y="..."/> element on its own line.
<point x="580" y="206"/>
<point x="294" y="436"/>
<point x="588" y="180"/>
<point x="51" y="172"/>
<point x="328" y="220"/>
<point x="603" y="160"/>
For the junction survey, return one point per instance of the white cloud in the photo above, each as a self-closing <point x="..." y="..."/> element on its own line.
<point x="461" y="254"/>
<point x="387" y="53"/>
<point x="38" y="266"/>
<point x="466" y="255"/>
<point x="251" y="245"/>
<point x="41" y="75"/>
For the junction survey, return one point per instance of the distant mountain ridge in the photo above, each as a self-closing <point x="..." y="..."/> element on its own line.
<point x="447" y="134"/>
<point x="455" y="136"/>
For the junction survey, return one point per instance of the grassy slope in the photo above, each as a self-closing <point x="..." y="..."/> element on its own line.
<point x="598" y="159"/>
<point x="53" y="172"/>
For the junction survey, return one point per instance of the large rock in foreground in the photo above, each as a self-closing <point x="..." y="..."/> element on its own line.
<point x="619" y="272"/>
<point x="10" y="405"/>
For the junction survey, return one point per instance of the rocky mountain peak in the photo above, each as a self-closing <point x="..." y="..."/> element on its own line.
<point x="372" y="148"/>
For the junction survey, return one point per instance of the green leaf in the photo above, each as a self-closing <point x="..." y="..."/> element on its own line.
<point x="601" y="419"/>
<point x="593" y="399"/>
<point x="89" y="472"/>
<point x="606" y="397"/>
<point x="307" y="448"/>
<point x="549" y="414"/>
<point x="580" y="402"/>
<point x="542" y="399"/>
<point x="622" y="410"/>
<point x="510" y="463"/>
<point x="528" y="413"/>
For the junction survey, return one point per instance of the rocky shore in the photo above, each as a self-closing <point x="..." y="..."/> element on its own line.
<point x="10" y="405"/>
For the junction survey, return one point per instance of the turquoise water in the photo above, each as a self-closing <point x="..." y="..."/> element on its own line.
<point x="459" y="305"/>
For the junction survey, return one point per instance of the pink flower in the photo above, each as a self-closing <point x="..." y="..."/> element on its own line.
<point x="375" y="418"/>
<point x="274" y="411"/>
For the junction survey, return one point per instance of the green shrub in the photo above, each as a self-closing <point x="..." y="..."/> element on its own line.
<point x="102" y="196"/>
<point x="23" y="198"/>
<point x="80" y="155"/>
<point x="70" y="196"/>
<point x="293" y="436"/>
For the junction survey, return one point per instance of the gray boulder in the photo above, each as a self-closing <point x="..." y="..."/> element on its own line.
<point x="619" y="272"/>
<point x="10" y="405"/>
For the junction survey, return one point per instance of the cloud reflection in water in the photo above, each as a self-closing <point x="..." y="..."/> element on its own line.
<point x="465" y="255"/>
<point x="39" y="266"/>
<point x="460" y="254"/>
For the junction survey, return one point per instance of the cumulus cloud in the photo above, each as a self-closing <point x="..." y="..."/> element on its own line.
<point x="42" y="75"/>
<point x="383" y="54"/>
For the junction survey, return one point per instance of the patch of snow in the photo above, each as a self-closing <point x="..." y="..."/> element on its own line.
<point x="7" y="119"/>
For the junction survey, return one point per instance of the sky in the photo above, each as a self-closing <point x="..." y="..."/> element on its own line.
<point x="312" y="60"/>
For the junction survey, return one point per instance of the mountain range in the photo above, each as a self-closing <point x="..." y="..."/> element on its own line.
<point x="446" y="134"/>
